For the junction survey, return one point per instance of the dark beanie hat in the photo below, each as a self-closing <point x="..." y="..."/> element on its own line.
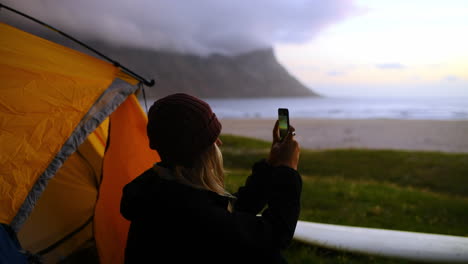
<point x="181" y="127"/>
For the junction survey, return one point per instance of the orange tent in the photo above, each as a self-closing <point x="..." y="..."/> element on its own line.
<point x="72" y="134"/>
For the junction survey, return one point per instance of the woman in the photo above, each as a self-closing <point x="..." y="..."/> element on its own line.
<point x="179" y="209"/>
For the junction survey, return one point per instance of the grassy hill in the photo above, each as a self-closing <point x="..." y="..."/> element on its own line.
<point x="401" y="190"/>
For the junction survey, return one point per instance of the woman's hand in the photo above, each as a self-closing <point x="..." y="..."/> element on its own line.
<point x="286" y="152"/>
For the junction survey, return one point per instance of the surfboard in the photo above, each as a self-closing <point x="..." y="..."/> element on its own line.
<point x="387" y="243"/>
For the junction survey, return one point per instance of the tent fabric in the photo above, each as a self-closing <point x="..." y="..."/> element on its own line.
<point x="34" y="73"/>
<point x="127" y="156"/>
<point x="10" y="248"/>
<point x="75" y="186"/>
<point x="51" y="97"/>
<point x="105" y="105"/>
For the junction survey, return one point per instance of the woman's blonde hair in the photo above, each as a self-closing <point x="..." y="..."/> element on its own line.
<point x="207" y="172"/>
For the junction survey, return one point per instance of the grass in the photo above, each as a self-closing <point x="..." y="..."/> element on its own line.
<point x="401" y="190"/>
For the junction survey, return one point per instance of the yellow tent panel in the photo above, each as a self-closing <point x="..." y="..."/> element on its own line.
<point x="46" y="90"/>
<point x="128" y="155"/>
<point x="55" y="156"/>
<point x="74" y="186"/>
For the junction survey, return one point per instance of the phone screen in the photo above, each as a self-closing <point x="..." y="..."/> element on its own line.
<point x="283" y="119"/>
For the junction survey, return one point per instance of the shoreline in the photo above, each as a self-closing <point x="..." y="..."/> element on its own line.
<point x="397" y="134"/>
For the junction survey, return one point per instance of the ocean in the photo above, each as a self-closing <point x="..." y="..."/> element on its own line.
<point x="430" y="108"/>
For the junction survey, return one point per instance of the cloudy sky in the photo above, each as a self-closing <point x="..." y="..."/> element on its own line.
<point x="389" y="48"/>
<point x="336" y="47"/>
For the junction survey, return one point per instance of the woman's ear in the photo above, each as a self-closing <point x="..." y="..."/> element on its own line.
<point x="218" y="142"/>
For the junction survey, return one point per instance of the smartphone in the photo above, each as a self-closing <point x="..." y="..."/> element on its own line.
<point x="283" y="119"/>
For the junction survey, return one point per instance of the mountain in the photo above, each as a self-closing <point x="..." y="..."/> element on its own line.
<point x="253" y="74"/>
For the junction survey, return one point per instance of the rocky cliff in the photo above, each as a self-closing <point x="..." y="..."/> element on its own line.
<point x="254" y="74"/>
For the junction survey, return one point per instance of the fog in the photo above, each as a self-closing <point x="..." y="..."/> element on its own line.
<point x="199" y="27"/>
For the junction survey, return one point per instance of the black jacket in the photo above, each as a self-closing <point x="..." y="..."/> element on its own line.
<point x="176" y="223"/>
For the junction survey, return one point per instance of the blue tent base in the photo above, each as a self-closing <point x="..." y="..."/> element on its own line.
<point x="10" y="248"/>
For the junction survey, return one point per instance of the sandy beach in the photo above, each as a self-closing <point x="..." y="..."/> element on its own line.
<point x="426" y="135"/>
